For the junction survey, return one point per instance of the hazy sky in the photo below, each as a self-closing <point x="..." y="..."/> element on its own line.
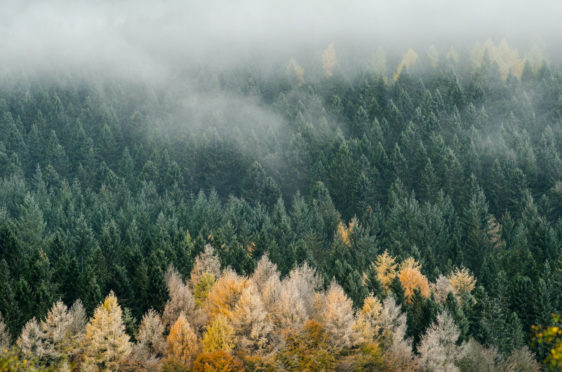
<point x="142" y="36"/>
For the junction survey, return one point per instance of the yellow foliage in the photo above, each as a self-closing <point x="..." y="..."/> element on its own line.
<point x="224" y="295"/>
<point x="106" y="344"/>
<point x="452" y="55"/>
<point x="502" y="54"/>
<point x="408" y="60"/>
<point x="411" y="279"/>
<point x="297" y="69"/>
<point x="219" y="336"/>
<point x="345" y="232"/>
<point x="410" y="263"/>
<point x="182" y="342"/>
<point x="366" y="323"/>
<point x="329" y="59"/>
<point x="202" y="288"/>
<point x="385" y="266"/>
<point x="462" y="281"/>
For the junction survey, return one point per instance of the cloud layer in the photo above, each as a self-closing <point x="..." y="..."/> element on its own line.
<point x="149" y="37"/>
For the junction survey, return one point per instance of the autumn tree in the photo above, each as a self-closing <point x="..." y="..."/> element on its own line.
<point x="219" y="335"/>
<point x="30" y="341"/>
<point x="182" y="344"/>
<point x="181" y="300"/>
<point x="252" y="323"/>
<point x="206" y="262"/>
<point x="224" y="295"/>
<point x="151" y="344"/>
<point x="5" y="337"/>
<point x="438" y="348"/>
<point x="385" y="268"/>
<point x="308" y="349"/>
<point x="336" y="317"/>
<point x="106" y="344"/>
<point x="411" y="278"/>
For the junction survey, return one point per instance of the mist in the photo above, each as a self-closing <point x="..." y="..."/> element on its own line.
<point x="153" y="39"/>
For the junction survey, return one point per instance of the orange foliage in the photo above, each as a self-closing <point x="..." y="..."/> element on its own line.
<point x="224" y="295"/>
<point x="308" y="349"/>
<point x="217" y="361"/>
<point x="411" y="279"/>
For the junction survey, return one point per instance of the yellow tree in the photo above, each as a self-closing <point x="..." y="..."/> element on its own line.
<point x="408" y="60"/>
<point x="336" y="316"/>
<point x="206" y="262"/>
<point x="461" y="281"/>
<point x="411" y="278"/>
<point x="224" y="295"/>
<point x="367" y="319"/>
<point x="106" y="344"/>
<point x="219" y="336"/>
<point x="329" y="59"/>
<point x="385" y="267"/>
<point x="182" y="342"/>
<point x="251" y="322"/>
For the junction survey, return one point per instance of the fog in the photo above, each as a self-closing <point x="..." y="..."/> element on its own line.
<point x="149" y="39"/>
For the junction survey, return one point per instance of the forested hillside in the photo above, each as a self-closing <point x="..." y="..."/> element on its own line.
<point x="400" y="216"/>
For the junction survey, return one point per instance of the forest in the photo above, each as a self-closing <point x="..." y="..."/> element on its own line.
<point x="400" y="215"/>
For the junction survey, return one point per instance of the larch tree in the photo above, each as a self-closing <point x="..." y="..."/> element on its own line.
<point x="337" y="318"/>
<point x="367" y="319"/>
<point x="5" y="337"/>
<point x="224" y="295"/>
<point x="329" y="60"/>
<point x="106" y="344"/>
<point x="265" y="270"/>
<point x="31" y="340"/>
<point x="206" y="262"/>
<point x="151" y="344"/>
<point x="182" y="344"/>
<point x="385" y="267"/>
<point x="57" y="329"/>
<point x="181" y="299"/>
<point x="438" y="349"/>
<point x="441" y="288"/>
<point x="461" y="281"/>
<point x="411" y="278"/>
<point x="251" y="322"/>
<point x="219" y="335"/>
<point x="289" y="311"/>
<point x="392" y="324"/>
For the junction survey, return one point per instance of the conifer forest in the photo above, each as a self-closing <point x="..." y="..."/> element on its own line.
<point x="337" y="207"/>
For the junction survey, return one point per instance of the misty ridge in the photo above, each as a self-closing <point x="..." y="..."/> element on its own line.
<point x="280" y="185"/>
<point x="186" y="51"/>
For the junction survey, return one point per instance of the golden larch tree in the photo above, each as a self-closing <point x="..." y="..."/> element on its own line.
<point x="385" y="267"/>
<point x="251" y="322"/>
<point x="329" y="60"/>
<point x="411" y="279"/>
<point x="219" y="336"/>
<point x="182" y="342"/>
<point x="106" y="344"/>
<point x="337" y="318"/>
